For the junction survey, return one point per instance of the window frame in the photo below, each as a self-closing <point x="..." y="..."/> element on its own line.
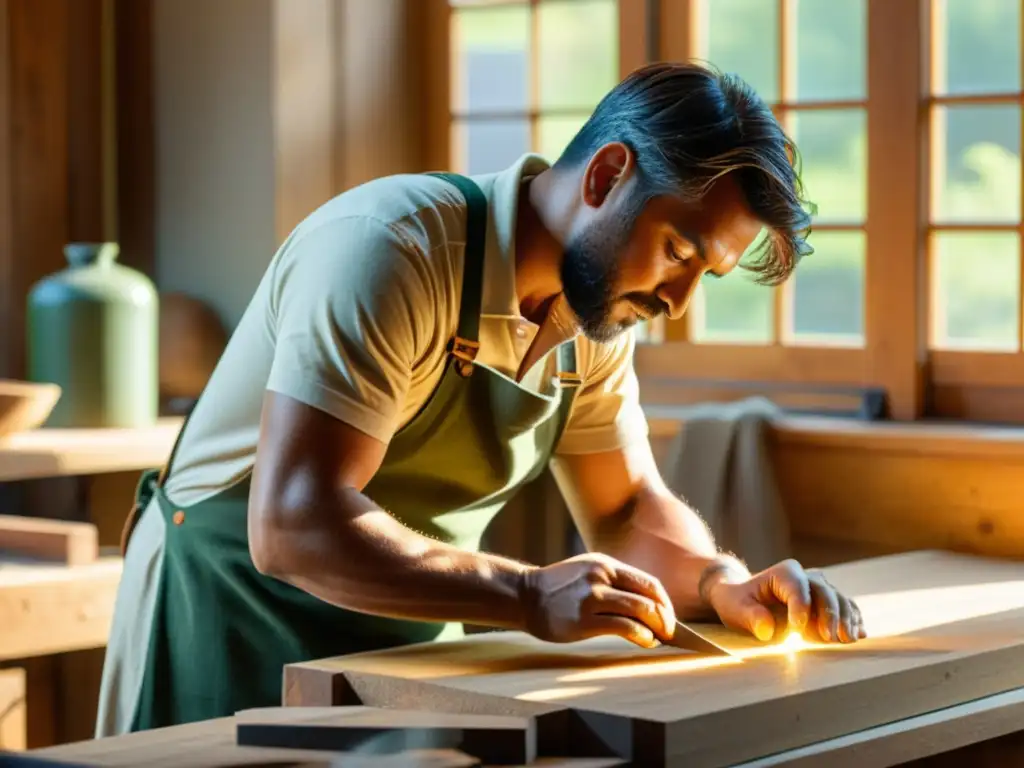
<point x="919" y="383"/>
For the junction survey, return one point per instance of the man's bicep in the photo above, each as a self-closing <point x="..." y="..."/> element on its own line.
<point x="349" y="315"/>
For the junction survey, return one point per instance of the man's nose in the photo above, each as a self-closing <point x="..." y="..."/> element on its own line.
<point x="677" y="294"/>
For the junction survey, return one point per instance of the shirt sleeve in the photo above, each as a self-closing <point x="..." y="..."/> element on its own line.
<point x="606" y="414"/>
<point x="351" y="307"/>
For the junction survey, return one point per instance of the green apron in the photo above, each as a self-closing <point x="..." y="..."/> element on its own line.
<point x="222" y="632"/>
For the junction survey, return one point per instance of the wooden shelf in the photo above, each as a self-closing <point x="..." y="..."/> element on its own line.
<point x="52" y="608"/>
<point x="68" y="452"/>
<point x="954" y="439"/>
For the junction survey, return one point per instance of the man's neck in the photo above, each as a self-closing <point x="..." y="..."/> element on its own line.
<point x="541" y="223"/>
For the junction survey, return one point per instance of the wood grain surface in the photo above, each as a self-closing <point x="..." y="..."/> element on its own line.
<point x="492" y="739"/>
<point x="59" y="541"/>
<point x="212" y="744"/>
<point x="945" y="629"/>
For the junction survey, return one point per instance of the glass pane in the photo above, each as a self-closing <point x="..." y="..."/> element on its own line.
<point x="555" y="133"/>
<point x="833" y="150"/>
<point x="976" y="176"/>
<point x="740" y="36"/>
<point x="975" y="290"/>
<point x="578" y="51"/>
<point x="488" y="146"/>
<point x="979" y="41"/>
<point x="830" y="49"/>
<point x="491" y="58"/>
<point x="828" y="290"/>
<point x="733" y="308"/>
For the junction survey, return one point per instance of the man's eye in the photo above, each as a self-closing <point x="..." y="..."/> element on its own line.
<point x="674" y="253"/>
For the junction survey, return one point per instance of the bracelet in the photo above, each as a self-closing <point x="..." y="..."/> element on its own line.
<point x="721" y="564"/>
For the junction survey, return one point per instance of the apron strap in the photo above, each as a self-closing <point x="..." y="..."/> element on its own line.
<point x="568" y="377"/>
<point x="464" y="347"/>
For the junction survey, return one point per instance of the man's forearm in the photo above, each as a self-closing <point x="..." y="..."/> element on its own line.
<point x="663" y="536"/>
<point x="354" y="555"/>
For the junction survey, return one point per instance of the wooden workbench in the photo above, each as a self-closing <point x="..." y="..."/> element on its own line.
<point x="943" y="671"/>
<point x="944" y="668"/>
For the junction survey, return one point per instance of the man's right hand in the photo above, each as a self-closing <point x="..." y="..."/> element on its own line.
<point x="593" y="594"/>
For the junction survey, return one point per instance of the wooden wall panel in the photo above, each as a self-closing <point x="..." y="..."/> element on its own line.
<point x="35" y="113"/>
<point x="53" y="170"/>
<point x="382" y="99"/>
<point x="303" y="83"/>
<point x="134" y="134"/>
<point x="854" y="489"/>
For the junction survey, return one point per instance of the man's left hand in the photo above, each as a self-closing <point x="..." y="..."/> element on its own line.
<point x="809" y="601"/>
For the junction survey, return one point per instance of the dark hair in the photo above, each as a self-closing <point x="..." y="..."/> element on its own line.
<point x="690" y="124"/>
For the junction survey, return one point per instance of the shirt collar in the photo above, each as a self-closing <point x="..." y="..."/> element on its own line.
<point x="502" y="191"/>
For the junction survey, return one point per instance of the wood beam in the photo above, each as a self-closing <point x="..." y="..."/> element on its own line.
<point x="896" y="276"/>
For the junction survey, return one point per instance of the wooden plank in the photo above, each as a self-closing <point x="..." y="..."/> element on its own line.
<point x="69" y="543"/>
<point x="211" y="744"/>
<point x="47" y="609"/>
<point x="912" y="739"/>
<point x="13" y="725"/>
<point x="945" y="630"/>
<point x="492" y="739"/>
<point x="68" y="452"/>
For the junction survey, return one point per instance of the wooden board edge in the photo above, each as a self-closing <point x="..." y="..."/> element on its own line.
<point x="911" y="739"/>
<point x="769" y="730"/>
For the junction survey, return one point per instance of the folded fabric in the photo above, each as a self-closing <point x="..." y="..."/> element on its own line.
<point x="720" y="463"/>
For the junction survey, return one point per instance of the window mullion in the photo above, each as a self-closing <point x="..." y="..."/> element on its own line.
<point x="899" y="45"/>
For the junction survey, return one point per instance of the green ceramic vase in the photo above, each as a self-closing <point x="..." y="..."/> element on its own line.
<point x="93" y="329"/>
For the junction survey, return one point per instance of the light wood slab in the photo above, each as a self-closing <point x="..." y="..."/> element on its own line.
<point x="60" y="541"/>
<point x="46" y="608"/>
<point x="65" y="452"/>
<point x="13" y="726"/>
<point x="946" y="629"/>
<point x="912" y="739"/>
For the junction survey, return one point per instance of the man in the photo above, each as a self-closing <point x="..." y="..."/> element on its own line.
<point x="419" y="348"/>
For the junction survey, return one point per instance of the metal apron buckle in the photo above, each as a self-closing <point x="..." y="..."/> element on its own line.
<point x="464" y="352"/>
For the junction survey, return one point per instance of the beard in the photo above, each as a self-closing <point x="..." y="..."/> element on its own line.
<point x="590" y="276"/>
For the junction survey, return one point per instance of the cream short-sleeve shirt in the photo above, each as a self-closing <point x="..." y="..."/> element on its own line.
<point x="353" y="317"/>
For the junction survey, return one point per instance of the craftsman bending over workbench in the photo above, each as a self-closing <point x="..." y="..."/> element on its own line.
<point x="419" y="348"/>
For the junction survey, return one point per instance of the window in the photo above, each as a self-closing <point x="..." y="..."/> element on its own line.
<point x="808" y="60"/>
<point x="525" y="76"/>
<point x="974" y="242"/>
<point x="916" y="286"/>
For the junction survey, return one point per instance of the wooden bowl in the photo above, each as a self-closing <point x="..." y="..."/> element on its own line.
<point x="25" y="405"/>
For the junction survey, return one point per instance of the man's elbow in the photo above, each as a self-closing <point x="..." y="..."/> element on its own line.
<point x="266" y="544"/>
<point x="276" y="532"/>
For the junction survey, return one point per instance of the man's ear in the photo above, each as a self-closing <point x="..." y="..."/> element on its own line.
<point x="608" y="167"/>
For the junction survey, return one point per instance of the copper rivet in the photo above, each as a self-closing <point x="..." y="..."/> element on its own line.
<point x="179" y="517"/>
